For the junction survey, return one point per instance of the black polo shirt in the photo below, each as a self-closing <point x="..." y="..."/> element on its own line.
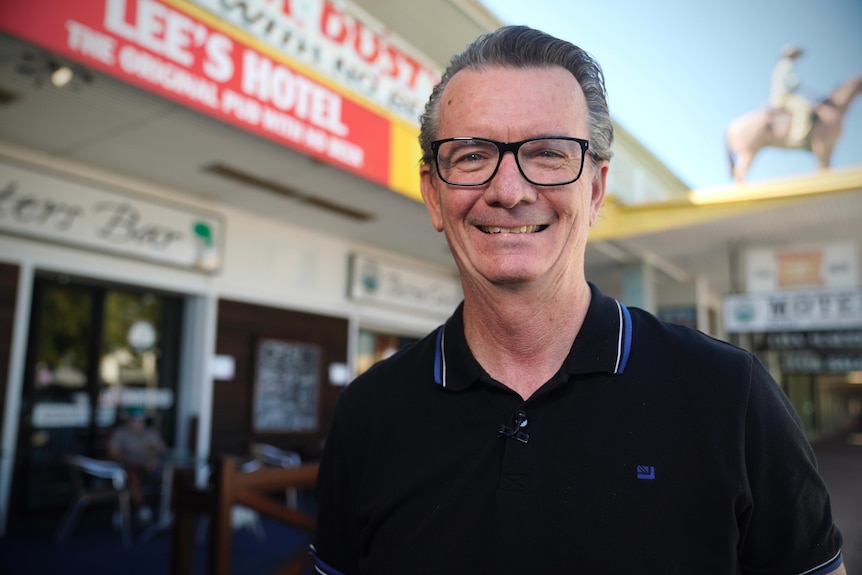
<point x="654" y="449"/>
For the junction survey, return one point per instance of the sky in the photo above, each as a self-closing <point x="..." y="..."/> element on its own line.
<point x="678" y="72"/>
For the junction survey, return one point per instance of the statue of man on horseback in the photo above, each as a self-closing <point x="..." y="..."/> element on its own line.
<point x="785" y="95"/>
<point x="791" y="121"/>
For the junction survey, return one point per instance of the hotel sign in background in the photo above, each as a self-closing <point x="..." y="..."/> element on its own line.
<point x="807" y="310"/>
<point x="342" y="43"/>
<point x="182" y="52"/>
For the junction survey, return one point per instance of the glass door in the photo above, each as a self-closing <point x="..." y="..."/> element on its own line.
<point x="93" y="352"/>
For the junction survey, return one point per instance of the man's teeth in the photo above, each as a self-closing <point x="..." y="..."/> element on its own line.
<point x="520" y="230"/>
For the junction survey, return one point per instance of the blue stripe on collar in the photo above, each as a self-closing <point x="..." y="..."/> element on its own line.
<point x="440" y="359"/>
<point x="624" y="344"/>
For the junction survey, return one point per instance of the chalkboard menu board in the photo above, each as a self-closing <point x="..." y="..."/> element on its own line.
<point x="286" y="387"/>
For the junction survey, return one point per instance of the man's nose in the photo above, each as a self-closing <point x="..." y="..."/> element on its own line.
<point x="509" y="188"/>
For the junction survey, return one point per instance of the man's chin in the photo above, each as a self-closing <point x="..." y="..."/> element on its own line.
<point x="512" y="276"/>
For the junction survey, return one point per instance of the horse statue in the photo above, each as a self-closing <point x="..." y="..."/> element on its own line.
<point x="747" y="134"/>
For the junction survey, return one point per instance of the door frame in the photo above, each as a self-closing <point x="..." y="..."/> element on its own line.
<point x="15" y="432"/>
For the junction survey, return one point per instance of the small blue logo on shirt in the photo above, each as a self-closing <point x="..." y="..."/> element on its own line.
<point x="646" y="472"/>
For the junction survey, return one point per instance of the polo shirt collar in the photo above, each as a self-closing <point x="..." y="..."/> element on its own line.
<point x="602" y="345"/>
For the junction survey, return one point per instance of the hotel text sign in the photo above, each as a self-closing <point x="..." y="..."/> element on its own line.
<point x="342" y="43"/>
<point x="174" y="50"/>
<point x="808" y="310"/>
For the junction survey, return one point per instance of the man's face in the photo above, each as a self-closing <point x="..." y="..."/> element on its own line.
<point x="510" y="105"/>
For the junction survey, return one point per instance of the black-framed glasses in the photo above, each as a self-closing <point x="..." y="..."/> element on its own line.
<point x="545" y="161"/>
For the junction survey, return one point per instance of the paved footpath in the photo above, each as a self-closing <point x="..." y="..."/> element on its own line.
<point x="840" y="465"/>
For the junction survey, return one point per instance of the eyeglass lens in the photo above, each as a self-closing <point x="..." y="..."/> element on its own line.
<point x="543" y="161"/>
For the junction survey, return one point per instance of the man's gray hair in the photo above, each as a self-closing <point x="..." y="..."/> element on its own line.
<point x="524" y="47"/>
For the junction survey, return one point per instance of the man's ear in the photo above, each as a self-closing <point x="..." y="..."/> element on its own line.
<point x="599" y="185"/>
<point x="431" y="196"/>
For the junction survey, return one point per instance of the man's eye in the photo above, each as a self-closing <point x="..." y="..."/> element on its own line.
<point x="549" y="153"/>
<point x="470" y="157"/>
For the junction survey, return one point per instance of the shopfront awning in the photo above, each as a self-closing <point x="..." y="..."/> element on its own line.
<point x="618" y="221"/>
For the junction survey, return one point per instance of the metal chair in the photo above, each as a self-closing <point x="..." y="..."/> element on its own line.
<point x="85" y="473"/>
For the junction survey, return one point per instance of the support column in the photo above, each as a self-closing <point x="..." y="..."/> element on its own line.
<point x="639" y="286"/>
<point x="702" y="304"/>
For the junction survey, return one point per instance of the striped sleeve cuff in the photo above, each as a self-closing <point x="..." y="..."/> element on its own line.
<point x="827" y="567"/>
<point x="320" y="566"/>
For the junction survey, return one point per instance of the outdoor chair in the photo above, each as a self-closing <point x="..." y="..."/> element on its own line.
<point x="264" y="455"/>
<point x="271" y="456"/>
<point x="96" y="481"/>
<point x="232" y="484"/>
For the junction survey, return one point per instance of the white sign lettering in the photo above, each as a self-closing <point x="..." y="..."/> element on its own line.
<point x="352" y="49"/>
<point x="796" y="310"/>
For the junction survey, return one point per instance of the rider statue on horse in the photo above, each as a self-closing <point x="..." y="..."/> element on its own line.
<point x="784" y="95"/>
<point x="791" y="121"/>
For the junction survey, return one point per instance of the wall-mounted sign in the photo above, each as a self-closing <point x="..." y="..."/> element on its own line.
<point x="793" y="311"/>
<point x="808" y="266"/>
<point x="372" y="280"/>
<point x="182" y="52"/>
<point x="813" y="362"/>
<point x="41" y="206"/>
<point x="341" y="42"/>
<point x="286" y="387"/>
<point x="828" y="340"/>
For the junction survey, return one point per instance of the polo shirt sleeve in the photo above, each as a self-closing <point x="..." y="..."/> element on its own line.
<point x="787" y="528"/>
<point x="334" y="546"/>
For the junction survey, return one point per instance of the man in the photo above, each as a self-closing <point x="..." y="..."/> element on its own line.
<point x="546" y="428"/>
<point x="784" y="96"/>
<point x="139" y="448"/>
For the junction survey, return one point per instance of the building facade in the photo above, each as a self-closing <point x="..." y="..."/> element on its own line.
<point x="210" y="210"/>
<point x="211" y="219"/>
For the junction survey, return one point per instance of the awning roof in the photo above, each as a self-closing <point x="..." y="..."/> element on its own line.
<point x="701" y="234"/>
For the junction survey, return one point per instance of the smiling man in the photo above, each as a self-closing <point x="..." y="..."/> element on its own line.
<point x="547" y="428"/>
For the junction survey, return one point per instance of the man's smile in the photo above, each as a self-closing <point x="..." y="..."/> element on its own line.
<point x="517" y="230"/>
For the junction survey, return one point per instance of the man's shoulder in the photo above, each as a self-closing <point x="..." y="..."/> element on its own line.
<point x="413" y="362"/>
<point x="672" y="338"/>
<point x="393" y="383"/>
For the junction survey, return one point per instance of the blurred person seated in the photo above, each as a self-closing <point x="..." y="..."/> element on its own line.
<point x="140" y="449"/>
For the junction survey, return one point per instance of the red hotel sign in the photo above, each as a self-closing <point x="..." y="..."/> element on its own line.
<point x="183" y="54"/>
